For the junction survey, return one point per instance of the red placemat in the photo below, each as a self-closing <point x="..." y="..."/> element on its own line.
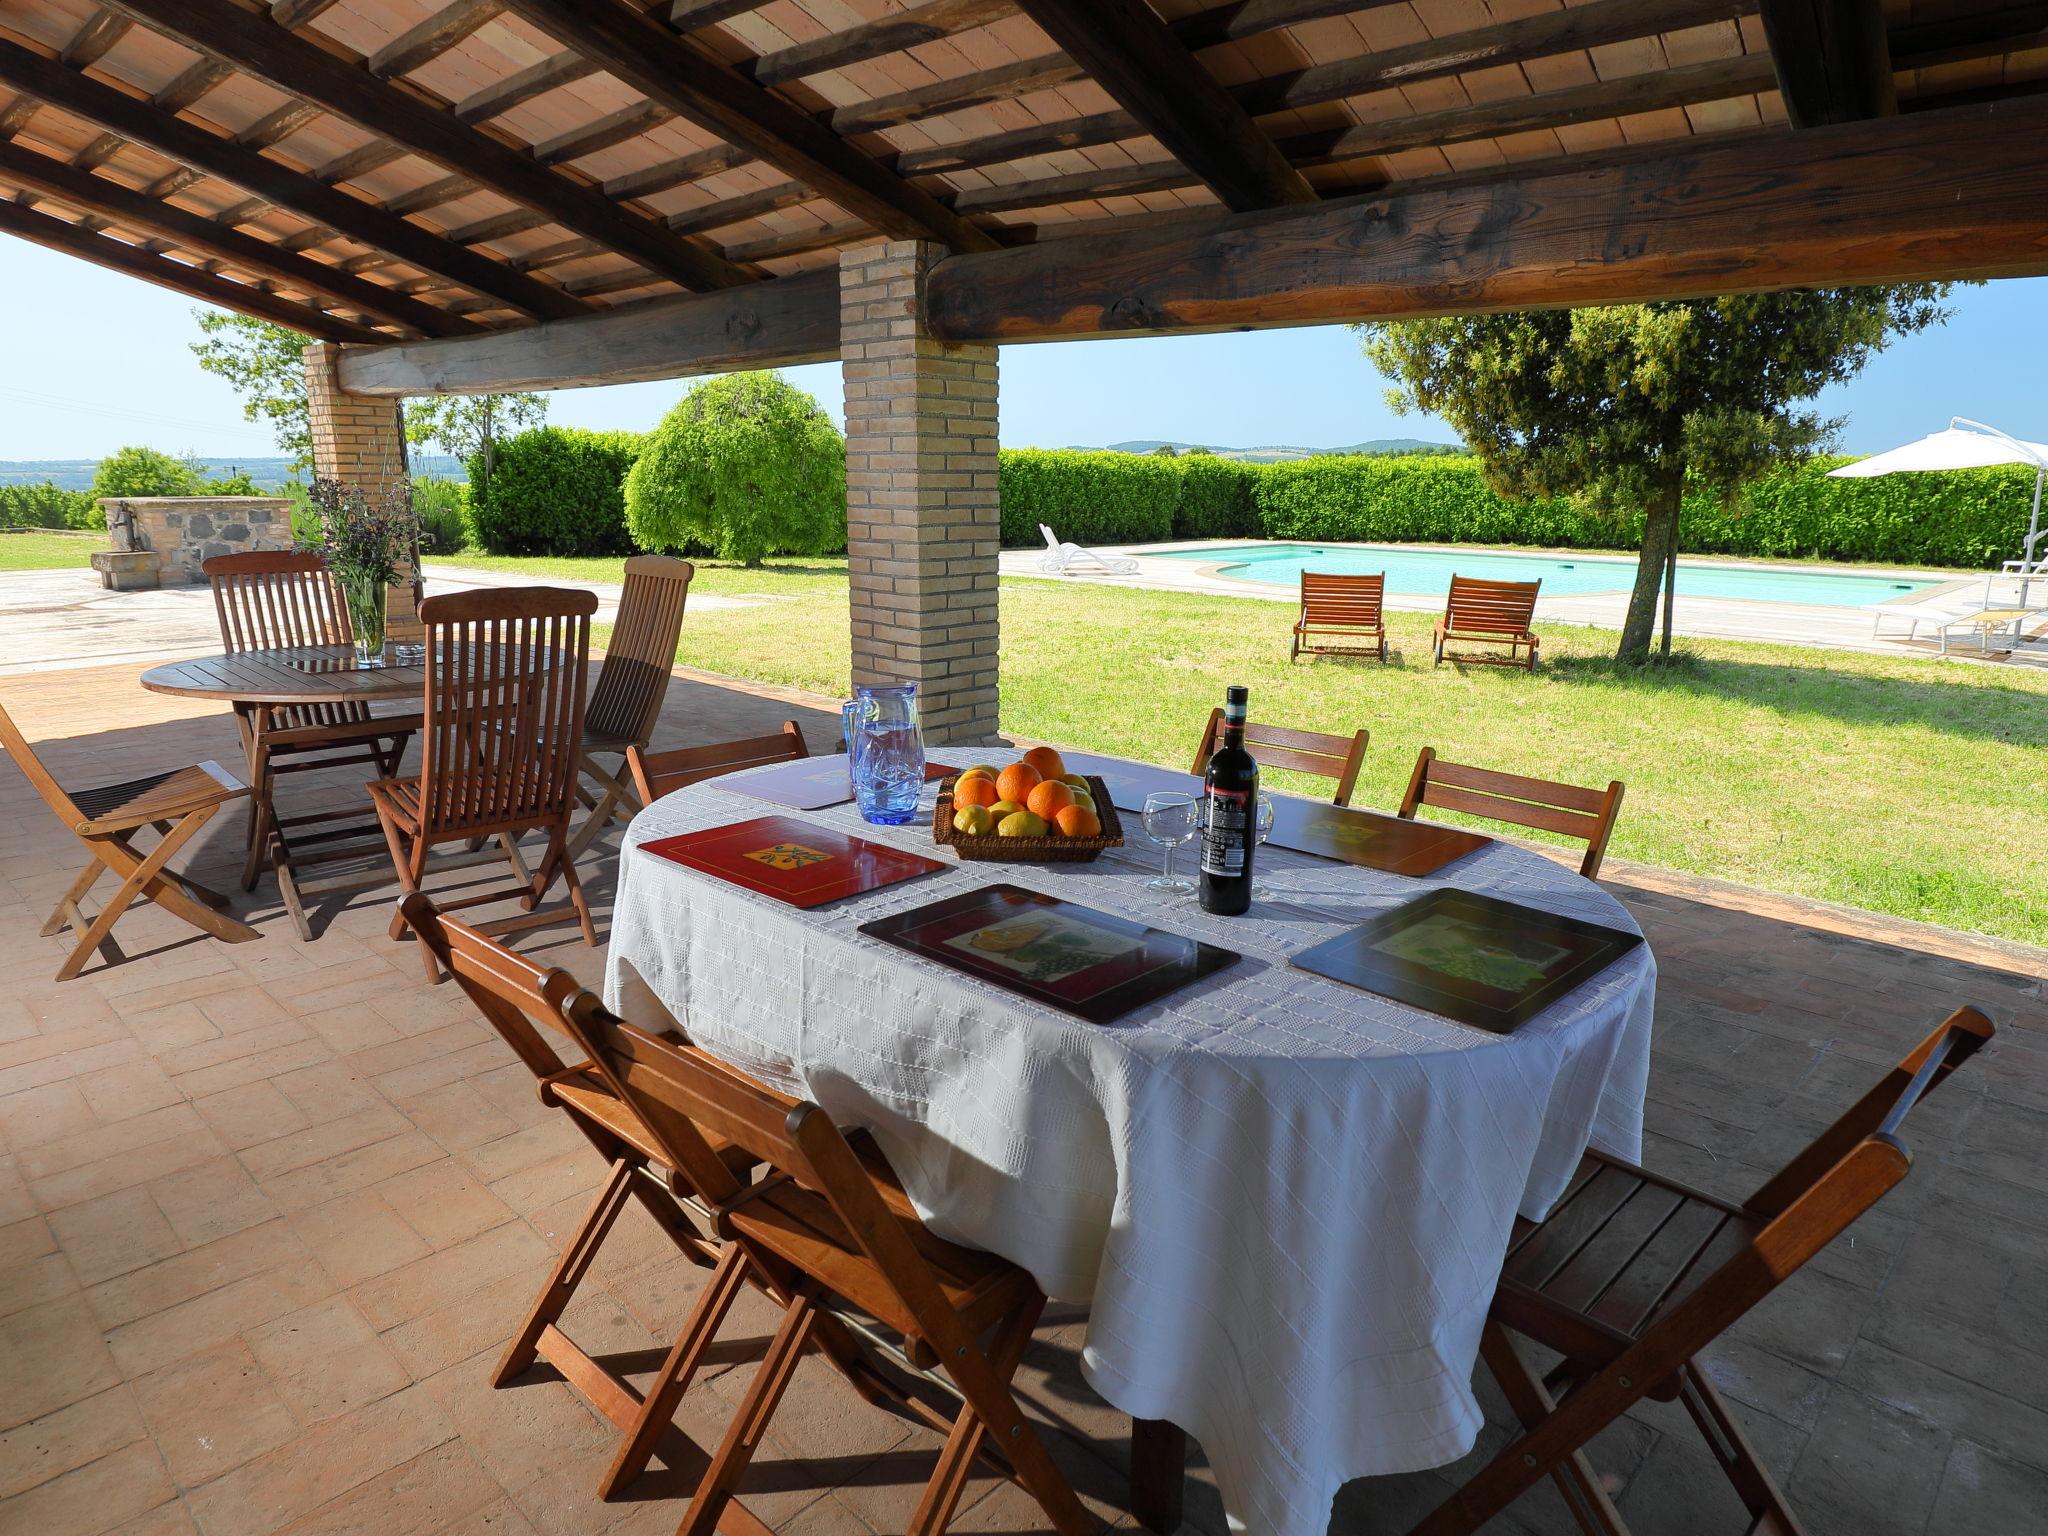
<point x="795" y="861"/>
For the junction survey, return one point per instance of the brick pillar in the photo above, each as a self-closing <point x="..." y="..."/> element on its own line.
<point x="921" y="522"/>
<point x="360" y="441"/>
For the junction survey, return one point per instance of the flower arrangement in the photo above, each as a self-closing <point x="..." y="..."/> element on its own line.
<point x="368" y="542"/>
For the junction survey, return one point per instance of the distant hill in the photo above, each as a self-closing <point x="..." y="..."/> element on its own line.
<point x="1279" y="453"/>
<point x="271" y="474"/>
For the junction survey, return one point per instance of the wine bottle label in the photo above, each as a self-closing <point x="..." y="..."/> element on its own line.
<point x="1226" y="831"/>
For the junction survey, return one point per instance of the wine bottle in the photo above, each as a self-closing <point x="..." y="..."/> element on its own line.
<point x="1230" y="798"/>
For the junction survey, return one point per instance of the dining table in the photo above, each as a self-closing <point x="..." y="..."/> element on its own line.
<point x="1284" y="1200"/>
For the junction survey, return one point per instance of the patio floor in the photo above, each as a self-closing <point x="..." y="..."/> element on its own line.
<point x="269" y="1211"/>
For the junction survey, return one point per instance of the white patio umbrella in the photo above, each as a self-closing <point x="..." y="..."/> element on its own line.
<point x="1965" y="445"/>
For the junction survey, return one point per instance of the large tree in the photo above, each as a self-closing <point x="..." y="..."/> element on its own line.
<point x="1623" y="406"/>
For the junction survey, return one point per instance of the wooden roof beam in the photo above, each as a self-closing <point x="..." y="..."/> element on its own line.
<point x="1833" y="60"/>
<point x="432" y="37"/>
<point x="517" y="90"/>
<point x="253" y="43"/>
<point x="105" y="251"/>
<point x="1128" y="51"/>
<point x="190" y="145"/>
<point x="697" y="86"/>
<point x="892" y="34"/>
<point x="95" y="39"/>
<point x="1956" y="39"/>
<point x="195" y="232"/>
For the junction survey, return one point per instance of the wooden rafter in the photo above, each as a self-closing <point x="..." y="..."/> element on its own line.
<point x="220" y="239"/>
<point x="92" y="42"/>
<point x="747" y="205"/>
<point x="696" y="85"/>
<point x="1834" y="63"/>
<point x="518" y="89"/>
<point x="1128" y="51"/>
<point x="1956" y="39"/>
<point x="1000" y="82"/>
<point x="691" y="15"/>
<point x="305" y="70"/>
<point x="906" y="29"/>
<point x="432" y="37"/>
<point x="178" y="139"/>
<point x="1239" y="19"/>
<point x="105" y="251"/>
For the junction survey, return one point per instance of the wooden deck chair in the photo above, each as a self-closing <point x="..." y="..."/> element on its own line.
<point x="1523" y="802"/>
<point x="1341" y="609"/>
<point x="1279" y="746"/>
<point x="176" y="804"/>
<point x="498" y="748"/>
<point x="632" y="682"/>
<point x="656" y="774"/>
<point x="271" y="600"/>
<point x="1633" y="1275"/>
<point x="1493" y="613"/>
<point x="831" y="1228"/>
<point x="519" y="1000"/>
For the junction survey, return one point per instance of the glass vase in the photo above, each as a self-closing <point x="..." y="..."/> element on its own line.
<point x="364" y="599"/>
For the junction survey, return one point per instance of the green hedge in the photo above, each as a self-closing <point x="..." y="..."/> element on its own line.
<point x="45" y="505"/>
<point x="554" y="491"/>
<point x="1088" y="498"/>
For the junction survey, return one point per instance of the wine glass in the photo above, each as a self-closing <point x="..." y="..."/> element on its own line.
<point x="1169" y="822"/>
<point x="1263" y="823"/>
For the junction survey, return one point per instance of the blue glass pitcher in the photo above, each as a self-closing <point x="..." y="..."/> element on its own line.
<point x="885" y="752"/>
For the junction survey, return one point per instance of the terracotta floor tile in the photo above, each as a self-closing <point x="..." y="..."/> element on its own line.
<point x="54" y="1356"/>
<point x="51" y="1112"/>
<point x="358" y="1236"/>
<point x="169" y="1519"/>
<point x="188" y="1275"/>
<point x="242" y="1009"/>
<point x="351" y="1171"/>
<point x="419" y="1287"/>
<point x="528" y="1428"/>
<point x="114" y="1234"/>
<point x="575" y="1173"/>
<point x="326" y="1360"/>
<point x="211" y="1201"/>
<point x="329" y="1090"/>
<point x="97" y="1498"/>
<point x="135" y="1089"/>
<point x="212" y="1412"/>
<point x="444" y="1202"/>
<point x="443" y="1490"/>
<point x="458" y="1116"/>
<point x="254" y="1068"/>
<point x="255" y="1112"/>
<point x="191" y="1326"/>
<point x="71" y="1437"/>
<point x="128" y="1168"/>
<point x="301" y="1149"/>
<point x="98" y="1141"/>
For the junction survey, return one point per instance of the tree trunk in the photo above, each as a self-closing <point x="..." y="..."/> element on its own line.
<point x="1670" y="588"/>
<point x="1660" y="537"/>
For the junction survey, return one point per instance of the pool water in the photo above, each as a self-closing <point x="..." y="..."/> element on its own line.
<point x="1426" y="573"/>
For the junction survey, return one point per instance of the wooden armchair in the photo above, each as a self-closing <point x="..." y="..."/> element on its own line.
<point x="1490" y="612"/>
<point x="632" y="682"/>
<point x="1278" y="746"/>
<point x="1633" y="1275"/>
<point x="655" y="774"/>
<point x="502" y="727"/>
<point x="1523" y="802"/>
<point x="273" y="600"/>
<point x="1338" y="609"/>
<point x="176" y="804"/>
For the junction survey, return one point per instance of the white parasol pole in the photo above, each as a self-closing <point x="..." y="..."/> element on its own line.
<point x="2029" y="566"/>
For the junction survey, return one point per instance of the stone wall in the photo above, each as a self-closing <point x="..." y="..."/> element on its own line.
<point x="185" y="530"/>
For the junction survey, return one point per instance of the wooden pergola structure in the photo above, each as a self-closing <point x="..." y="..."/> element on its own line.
<point x="476" y="195"/>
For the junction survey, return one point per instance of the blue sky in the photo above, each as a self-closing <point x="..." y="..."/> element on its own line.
<point x="94" y="360"/>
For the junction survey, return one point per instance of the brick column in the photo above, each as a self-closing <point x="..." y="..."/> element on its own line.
<point x="921" y="520"/>
<point x="360" y="441"/>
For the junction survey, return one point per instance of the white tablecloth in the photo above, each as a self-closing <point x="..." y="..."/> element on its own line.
<point x="1286" y="1200"/>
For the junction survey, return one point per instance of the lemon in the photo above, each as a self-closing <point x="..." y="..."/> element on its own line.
<point x="1084" y="799"/>
<point x="1021" y="824"/>
<point x="976" y="773"/>
<point x="974" y="820"/>
<point x="1075" y="782"/>
<point x="1004" y="808"/>
<point x="986" y="768"/>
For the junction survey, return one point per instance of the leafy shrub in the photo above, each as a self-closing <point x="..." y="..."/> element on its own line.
<point x="1218" y="499"/>
<point x="443" y="510"/>
<point x="747" y="464"/>
<point x="240" y="483"/>
<point x="45" y="505"/>
<point x="555" y="491"/>
<point x="1087" y="498"/>
<point x="144" y="472"/>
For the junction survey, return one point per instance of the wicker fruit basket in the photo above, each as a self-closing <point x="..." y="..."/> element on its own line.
<point x="1030" y="850"/>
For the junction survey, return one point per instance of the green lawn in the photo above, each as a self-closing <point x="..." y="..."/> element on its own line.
<point x="1909" y="786"/>
<point x="44" y="551"/>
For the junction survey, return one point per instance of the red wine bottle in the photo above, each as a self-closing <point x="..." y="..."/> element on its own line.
<point x="1230" y="800"/>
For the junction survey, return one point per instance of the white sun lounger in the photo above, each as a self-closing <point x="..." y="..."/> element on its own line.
<point x="1062" y="559"/>
<point x="1984" y="620"/>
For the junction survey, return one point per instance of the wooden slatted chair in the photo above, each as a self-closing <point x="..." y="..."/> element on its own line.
<point x="519" y="1000"/>
<point x="632" y="682"/>
<point x="105" y="819"/>
<point x="1340" y="609"/>
<point x="1523" y="802"/>
<point x="1633" y="1275"/>
<point x="1492" y="613"/>
<point x="1278" y="746"/>
<point x="831" y="1227"/>
<point x="270" y="600"/>
<point x="655" y="774"/>
<point x="498" y="747"/>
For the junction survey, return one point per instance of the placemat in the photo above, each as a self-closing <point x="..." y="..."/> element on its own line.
<point x="798" y="862"/>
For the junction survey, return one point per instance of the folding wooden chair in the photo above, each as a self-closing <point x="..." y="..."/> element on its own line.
<point x="655" y="774"/>
<point x="1633" y="1275"/>
<point x="1522" y="802"/>
<point x="631" y="683"/>
<point x="514" y="996"/>
<point x="177" y="804"/>
<point x="1493" y="613"/>
<point x="503" y="721"/>
<point x="272" y="600"/>
<point x="832" y="1229"/>
<point x="1341" y="608"/>
<point x="1279" y="746"/>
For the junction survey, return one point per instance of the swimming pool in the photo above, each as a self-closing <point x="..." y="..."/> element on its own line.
<point x="1427" y="573"/>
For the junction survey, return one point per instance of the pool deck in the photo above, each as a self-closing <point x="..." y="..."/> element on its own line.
<point x="1718" y="618"/>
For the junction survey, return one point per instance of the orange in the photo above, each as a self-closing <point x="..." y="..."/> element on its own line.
<point x="1047" y="762"/>
<point x="1078" y="821"/>
<point x="975" y="791"/>
<point x="1017" y="781"/>
<point x="1049" y="799"/>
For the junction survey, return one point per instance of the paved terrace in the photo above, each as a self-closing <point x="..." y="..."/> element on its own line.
<point x="268" y="1213"/>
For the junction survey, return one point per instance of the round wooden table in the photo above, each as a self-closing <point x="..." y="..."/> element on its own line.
<point x="308" y="674"/>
